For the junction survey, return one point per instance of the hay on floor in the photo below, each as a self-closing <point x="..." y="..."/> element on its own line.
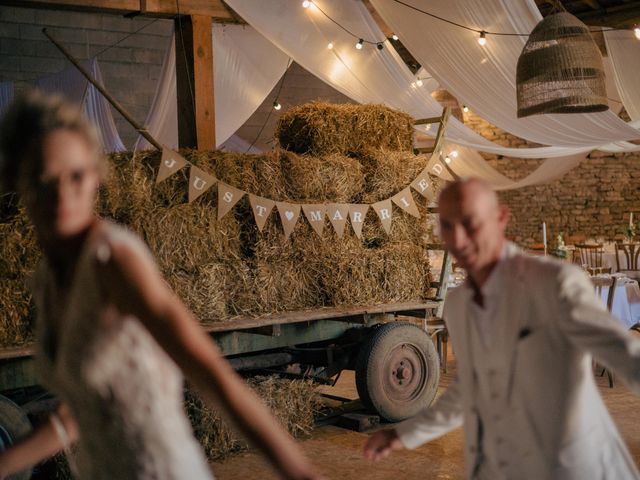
<point x="320" y="128"/>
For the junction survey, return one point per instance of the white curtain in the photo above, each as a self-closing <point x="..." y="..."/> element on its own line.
<point x="624" y="52"/>
<point x="484" y="77"/>
<point x="246" y="68"/>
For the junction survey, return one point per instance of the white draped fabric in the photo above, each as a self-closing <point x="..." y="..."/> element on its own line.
<point x="377" y="76"/>
<point x="246" y="68"/>
<point x="74" y="86"/>
<point x="484" y="77"/>
<point x="624" y="52"/>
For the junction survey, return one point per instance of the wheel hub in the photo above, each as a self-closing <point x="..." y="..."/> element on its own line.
<point x="407" y="373"/>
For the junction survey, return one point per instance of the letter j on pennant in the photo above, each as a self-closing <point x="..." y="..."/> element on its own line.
<point x="170" y="163"/>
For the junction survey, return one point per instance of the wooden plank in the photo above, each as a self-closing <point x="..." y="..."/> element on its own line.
<point x="330" y="313"/>
<point x="427" y="121"/>
<point x="216" y="9"/>
<point x="17" y="352"/>
<point x="423" y="150"/>
<point x="203" y="80"/>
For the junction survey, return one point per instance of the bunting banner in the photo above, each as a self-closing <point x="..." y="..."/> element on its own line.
<point x="405" y="201"/>
<point x="338" y="213"/>
<point x="228" y="196"/>
<point x="357" y="214"/>
<point x="424" y="186"/>
<point x="384" y="211"/>
<point x="170" y="163"/>
<point x="289" y="213"/>
<point x="199" y="182"/>
<point x="261" y="209"/>
<point x="315" y="215"/>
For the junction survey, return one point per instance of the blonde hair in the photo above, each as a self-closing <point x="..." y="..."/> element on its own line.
<point x="25" y="125"/>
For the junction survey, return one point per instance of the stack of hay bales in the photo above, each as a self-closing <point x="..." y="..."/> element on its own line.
<point x="226" y="268"/>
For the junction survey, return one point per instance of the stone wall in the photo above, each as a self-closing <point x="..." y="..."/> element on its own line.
<point x="593" y="200"/>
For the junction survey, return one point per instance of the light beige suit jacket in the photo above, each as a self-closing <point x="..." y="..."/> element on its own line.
<point x="554" y="421"/>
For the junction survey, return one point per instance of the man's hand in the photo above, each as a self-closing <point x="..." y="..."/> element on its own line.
<point x="381" y="444"/>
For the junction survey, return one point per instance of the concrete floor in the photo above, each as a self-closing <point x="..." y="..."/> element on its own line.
<point x="338" y="452"/>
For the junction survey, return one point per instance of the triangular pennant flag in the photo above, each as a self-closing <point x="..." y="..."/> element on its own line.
<point x="405" y="201"/>
<point x="228" y="196"/>
<point x="289" y="214"/>
<point x="384" y="211"/>
<point x="338" y="213"/>
<point x="261" y="209"/>
<point x="199" y="182"/>
<point x="170" y="163"/>
<point x="423" y="185"/>
<point x="315" y="215"/>
<point x="357" y="213"/>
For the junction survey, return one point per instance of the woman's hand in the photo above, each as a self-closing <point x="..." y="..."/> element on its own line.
<point x="381" y="444"/>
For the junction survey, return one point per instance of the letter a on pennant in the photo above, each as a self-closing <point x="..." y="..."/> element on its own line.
<point x="338" y="213"/>
<point x="199" y="182"/>
<point x="228" y="196"/>
<point x="261" y="209"/>
<point x="170" y="163"/>
<point x="315" y="215"/>
<point x="289" y="214"/>
<point x="405" y="201"/>
<point x="384" y="211"/>
<point x="357" y="213"/>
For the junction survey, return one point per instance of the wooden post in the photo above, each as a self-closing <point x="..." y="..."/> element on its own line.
<point x="194" y="81"/>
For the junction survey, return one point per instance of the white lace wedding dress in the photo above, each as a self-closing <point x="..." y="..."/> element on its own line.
<point x="123" y="389"/>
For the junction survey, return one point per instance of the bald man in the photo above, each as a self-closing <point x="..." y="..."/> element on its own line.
<point x="524" y="329"/>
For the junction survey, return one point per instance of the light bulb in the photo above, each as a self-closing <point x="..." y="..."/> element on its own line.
<point x="454" y="153"/>
<point x="306" y="4"/>
<point x="419" y="82"/>
<point x="636" y="31"/>
<point x="330" y="46"/>
<point x="465" y="109"/>
<point x="380" y="46"/>
<point x="447" y="159"/>
<point x="395" y="37"/>
<point x="276" y="105"/>
<point x="360" y="44"/>
<point x="413" y="84"/>
<point x="482" y="40"/>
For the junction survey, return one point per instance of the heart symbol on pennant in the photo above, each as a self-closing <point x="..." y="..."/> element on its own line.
<point x="288" y="214"/>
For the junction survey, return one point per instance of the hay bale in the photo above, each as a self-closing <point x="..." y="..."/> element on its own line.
<point x="293" y="402"/>
<point x="17" y="312"/>
<point x="333" y="178"/>
<point x="320" y="128"/>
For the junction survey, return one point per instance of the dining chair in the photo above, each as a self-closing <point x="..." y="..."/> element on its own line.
<point x="631" y="252"/>
<point x="591" y="258"/>
<point x="612" y="283"/>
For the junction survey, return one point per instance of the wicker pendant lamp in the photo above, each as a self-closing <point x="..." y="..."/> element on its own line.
<point x="560" y="69"/>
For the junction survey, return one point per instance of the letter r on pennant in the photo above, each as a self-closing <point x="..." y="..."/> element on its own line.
<point x="357" y="217"/>
<point x="384" y="214"/>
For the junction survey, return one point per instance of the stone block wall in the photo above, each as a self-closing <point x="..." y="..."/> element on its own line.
<point x="591" y="201"/>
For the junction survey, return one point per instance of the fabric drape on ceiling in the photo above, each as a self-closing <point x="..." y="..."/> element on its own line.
<point x="74" y="86"/>
<point x="624" y="52"/>
<point x="246" y="68"/>
<point x="483" y="78"/>
<point x="375" y="76"/>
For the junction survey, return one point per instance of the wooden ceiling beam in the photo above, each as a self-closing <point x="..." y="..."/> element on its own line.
<point x="625" y="15"/>
<point x="216" y="9"/>
<point x="593" y="4"/>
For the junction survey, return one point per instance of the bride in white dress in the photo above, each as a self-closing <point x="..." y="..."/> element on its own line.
<point x="112" y="338"/>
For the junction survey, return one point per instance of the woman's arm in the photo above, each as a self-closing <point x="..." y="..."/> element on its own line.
<point x="42" y="443"/>
<point x="135" y="286"/>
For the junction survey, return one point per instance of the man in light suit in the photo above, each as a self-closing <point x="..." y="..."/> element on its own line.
<point x="523" y="329"/>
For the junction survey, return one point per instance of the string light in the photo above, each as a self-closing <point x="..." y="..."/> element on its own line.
<point x="482" y="39"/>
<point x="454" y="153"/>
<point x="276" y="105"/>
<point x="306" y="4"/>
<point x="419" y="82"/>
<point x="360" y="44"/>
<point x="447" y="160"/>
<point x="636" y="31"/>
<point x="465" y="109"/>
<point x="395" y="37"/>
<point x="330" y="46"/>
<point x="413" y="84"/>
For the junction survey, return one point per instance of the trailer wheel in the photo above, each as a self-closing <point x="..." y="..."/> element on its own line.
<point x="397" y="371"/>
<point x="14" y="425"/>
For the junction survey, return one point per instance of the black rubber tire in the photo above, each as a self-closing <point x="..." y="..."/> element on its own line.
<point x="378" y="371"/>
<point x="14" y="425"/>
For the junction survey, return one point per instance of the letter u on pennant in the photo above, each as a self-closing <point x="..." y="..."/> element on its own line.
<point x="199" y="182"/>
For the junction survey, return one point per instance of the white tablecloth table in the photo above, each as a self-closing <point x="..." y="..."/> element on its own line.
<point x="626" y="299"/>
